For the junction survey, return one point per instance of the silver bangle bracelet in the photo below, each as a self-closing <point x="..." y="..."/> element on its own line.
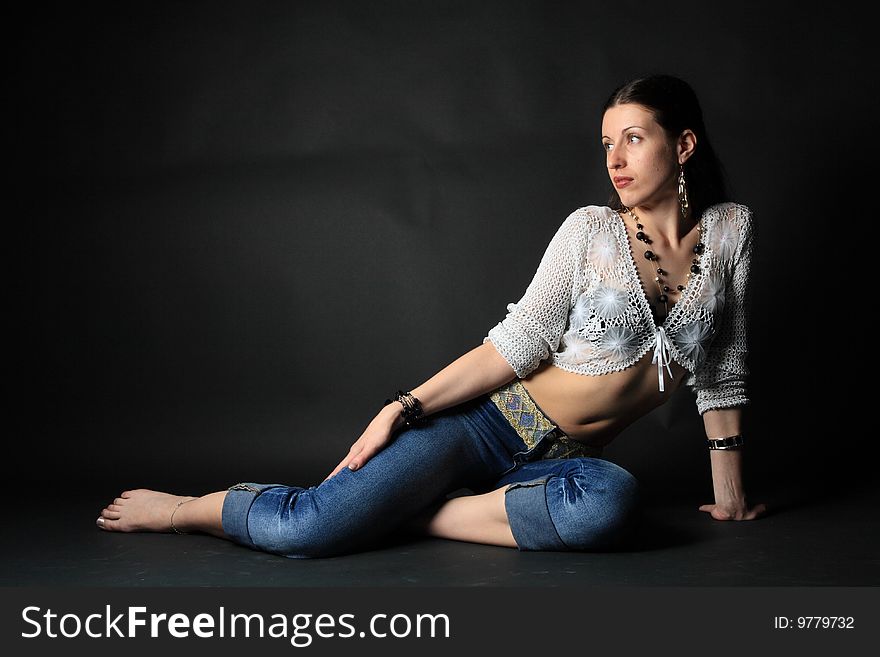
<point x="731" y="442"/>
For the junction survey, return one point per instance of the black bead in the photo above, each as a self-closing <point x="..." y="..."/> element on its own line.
<point x="699" y="248"/>
<point x="660" y="271"/>
<point x="662" y="298"/>
<point x="649" y="255"/>
<point x="680" y="288"/>
<point x="640" y="236"/>
<point x="639" y="226"/>
<point x="695" y="269"/>
<point x="666" y="288"/>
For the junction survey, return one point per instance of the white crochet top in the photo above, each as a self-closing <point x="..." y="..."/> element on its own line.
<point x="587" y="306"/>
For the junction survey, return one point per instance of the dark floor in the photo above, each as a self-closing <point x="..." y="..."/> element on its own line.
<point x="806" y="540"/>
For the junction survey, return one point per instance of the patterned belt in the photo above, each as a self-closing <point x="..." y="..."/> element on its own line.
<point x="524" y="415"/>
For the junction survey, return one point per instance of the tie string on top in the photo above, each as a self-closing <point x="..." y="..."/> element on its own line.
<point x="662" y="355"/>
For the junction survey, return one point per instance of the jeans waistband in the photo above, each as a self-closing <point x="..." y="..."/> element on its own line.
<point x="527" y="419"/>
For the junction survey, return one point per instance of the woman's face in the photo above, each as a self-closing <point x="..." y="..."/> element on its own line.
<point x="642" y="161"/>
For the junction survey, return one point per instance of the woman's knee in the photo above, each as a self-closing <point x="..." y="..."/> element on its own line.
<point x="596" y="506"/>
<point x="305" y="539"/>
<point x="591" y="504"/>
<point x="285" y="520"/>
<point x="303" y="546"/>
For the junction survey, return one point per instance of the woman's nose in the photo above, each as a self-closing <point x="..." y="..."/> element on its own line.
<point x="615" y="160"/>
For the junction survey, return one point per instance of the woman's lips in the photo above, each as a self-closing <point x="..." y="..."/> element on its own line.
<point x="620" y="183"/>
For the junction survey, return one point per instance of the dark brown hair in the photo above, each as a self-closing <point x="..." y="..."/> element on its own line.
<point x="675" y="108"/>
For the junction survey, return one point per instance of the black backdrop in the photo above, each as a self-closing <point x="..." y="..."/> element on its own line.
<point x="239" y="227"/>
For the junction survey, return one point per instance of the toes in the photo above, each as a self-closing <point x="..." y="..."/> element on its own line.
<point x="111" y="514"/>
<point x="109" y="524"/>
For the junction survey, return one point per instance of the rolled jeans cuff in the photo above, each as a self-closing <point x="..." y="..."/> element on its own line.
<point x="529" y="516"/>
<point x="237" y="507"/>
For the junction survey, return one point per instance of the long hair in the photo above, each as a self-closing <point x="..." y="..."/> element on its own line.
<point x="675" y="107"/>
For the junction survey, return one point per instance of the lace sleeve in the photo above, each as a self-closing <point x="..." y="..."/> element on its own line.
<point x="720" y="381"/>
<point x="534" y="325"/>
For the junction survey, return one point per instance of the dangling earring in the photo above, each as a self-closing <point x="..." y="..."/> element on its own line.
<point x="682" y="192"/>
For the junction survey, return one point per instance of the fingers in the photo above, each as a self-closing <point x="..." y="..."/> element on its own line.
<point x="352" y="461"/>
<point x="358" y="461"/>
<point x="758" y="511"/>
<point x="755" y="512"/>
<point x="721" y="514"/>
<point x="370" y="442"/>
<point x="335" y="470"/>
<point x="716" y="512"/>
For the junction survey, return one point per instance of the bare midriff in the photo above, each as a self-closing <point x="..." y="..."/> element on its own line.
<point x="595" y="409"/>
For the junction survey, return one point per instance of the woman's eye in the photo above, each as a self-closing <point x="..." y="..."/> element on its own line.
<point x="607" y="146"/>
<point x="631" y="137"/>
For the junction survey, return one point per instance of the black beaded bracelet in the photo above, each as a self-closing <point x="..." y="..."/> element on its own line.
<point x="731" y="442"/>
<point x="412" y="408"/>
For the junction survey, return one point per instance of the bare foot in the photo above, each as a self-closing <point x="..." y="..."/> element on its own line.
<point x="140" y="510"/>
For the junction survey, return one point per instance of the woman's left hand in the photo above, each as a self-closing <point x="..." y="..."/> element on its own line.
<point x="735" y="511"/>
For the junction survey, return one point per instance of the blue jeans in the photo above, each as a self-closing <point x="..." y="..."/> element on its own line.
<point x="561" y="504"/>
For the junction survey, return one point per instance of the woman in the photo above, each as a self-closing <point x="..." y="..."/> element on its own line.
<point x="629" y="301"/>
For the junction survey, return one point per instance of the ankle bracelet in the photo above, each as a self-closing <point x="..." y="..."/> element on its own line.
<point x="175" y="511"/>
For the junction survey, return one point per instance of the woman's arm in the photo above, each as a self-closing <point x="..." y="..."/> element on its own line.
<point x="480" y="370"/>
<point x="727" y="468"/>
<point x="513" y="348"/>
<point x="720" y="381"/>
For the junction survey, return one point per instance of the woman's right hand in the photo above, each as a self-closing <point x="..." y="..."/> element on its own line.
<point x="374" y="438"/>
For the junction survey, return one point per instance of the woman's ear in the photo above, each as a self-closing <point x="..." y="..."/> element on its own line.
<point x="687" y="144"/>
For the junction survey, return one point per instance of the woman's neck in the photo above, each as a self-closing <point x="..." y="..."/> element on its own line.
<point x="663" y="222"/>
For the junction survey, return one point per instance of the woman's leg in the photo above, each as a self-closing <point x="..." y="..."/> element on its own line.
<point x="471" y="443"/>
<point x="142" y="509"/>
<point x="554" y="504"/>
<point x="475" y="518"/>
<point x="559" y="496"/>
<point x="571" y="504"/>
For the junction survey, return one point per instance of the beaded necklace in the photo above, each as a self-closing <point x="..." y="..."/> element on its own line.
<point x="663" y="297"/>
